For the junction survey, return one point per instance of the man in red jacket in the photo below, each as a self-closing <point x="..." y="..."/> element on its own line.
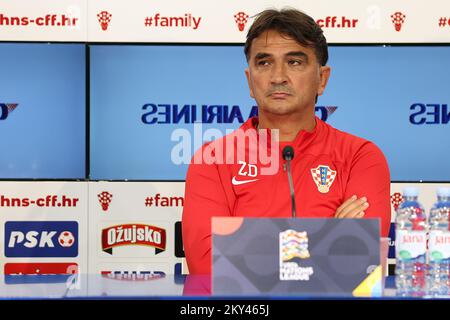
<point x="334" y="174"/>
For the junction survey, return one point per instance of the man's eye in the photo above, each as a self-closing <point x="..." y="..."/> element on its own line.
<point x="295" y="62"/>
<point x="263" y="63"/>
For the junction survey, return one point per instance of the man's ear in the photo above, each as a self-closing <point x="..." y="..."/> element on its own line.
<point x="324" y="76"/>
<point x="249" y="82"/>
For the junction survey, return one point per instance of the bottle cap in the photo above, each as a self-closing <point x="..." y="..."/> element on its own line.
<point x="443" y="192"/>
<point x="410" y="192"/>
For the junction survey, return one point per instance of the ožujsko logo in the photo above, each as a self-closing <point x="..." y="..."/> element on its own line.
<point x="294" y="247"/>
<point x="133" y="234"/>
<point x="105" y="198"/>
<point x="40" y="272"/>
<point x="398" y="19"/>
<point x="396" y="200"/>
<point x="133" y="275"/>
<point x="6" y="109"/>
<point x="324" y="177"/>
<point x="104" y="18"/>
<point x="241" y="19"/>
<point x="28" y="239"/>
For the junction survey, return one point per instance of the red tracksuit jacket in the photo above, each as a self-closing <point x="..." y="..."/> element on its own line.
<point x="326" y="159"/>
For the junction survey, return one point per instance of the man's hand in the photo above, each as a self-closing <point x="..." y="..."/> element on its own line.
<point x="352" y="208"/>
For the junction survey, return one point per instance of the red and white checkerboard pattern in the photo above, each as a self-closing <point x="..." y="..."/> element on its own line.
<point x="396" y="200"/>
<point x="104" y="17"/>
<point x="105" y="199"/>
<point x="241" y="17"/>
<point x="398" y="18"/>
<point x="11" y="106"/>
<point x="331" y="175"/>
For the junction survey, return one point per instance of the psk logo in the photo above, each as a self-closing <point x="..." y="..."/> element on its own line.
<point x="398" y="19"/>
<point x="293" y="245"/>
<point x="105" y="198"/>
<point x="6" y="109"/>
<point x="104" y="18"/>
<point x="396" y="200"/>
<point x="241" y="19"/>
<point x="324" y="177"/>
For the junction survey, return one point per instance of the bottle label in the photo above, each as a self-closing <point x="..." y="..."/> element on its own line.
<point x="439" y="245"/>
<point x="410" y="244"/>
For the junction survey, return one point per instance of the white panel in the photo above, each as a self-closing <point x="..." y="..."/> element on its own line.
<point x="157" y="204"/>
<point x="138" y="279"/>
<point x="344" y="21"/>
<point x="43" y="20"/>
<point x="46" y="201"/>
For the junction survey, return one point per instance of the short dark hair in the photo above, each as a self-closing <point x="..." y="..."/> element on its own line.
<point x="292" y="23"/>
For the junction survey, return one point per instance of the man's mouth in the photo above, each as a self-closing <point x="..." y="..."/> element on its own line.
<point x="279" y="95"/>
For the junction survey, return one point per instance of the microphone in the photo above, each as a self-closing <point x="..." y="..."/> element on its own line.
<point x="288" y="155"/>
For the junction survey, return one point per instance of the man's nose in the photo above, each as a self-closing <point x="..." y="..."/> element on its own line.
<point x="279" y="74"/>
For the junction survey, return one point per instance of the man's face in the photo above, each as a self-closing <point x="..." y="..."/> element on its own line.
<point x="284" y="77"/>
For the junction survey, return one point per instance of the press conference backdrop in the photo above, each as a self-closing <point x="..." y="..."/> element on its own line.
<point x="395" y="96"/>
<point x="42" y="114"/>
<point x="189" y="55"/>
<point x="141" y="96"/>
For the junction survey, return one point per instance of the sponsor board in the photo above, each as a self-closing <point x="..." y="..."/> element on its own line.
<point x="133" y="235"/>
<point x="172" y="21"/>
<point x="35" y="238"/>
<point x="132" y="276"/>
<point x="136" y="200"/>
<point x="28" y="239"/>
<point x="39" y="272"/>
<point x="134" y="221"/>
<point x="344" y="22"/>
<point x="149" y="278"/>
<point x="45" y="20"/>
<point x="129" y="239"/>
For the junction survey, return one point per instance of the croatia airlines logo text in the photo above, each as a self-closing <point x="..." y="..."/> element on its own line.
<point x="6" y="109"/>
<point x="429" y="113"/>
<point x="260" y="146"/>
<point x="132" y="235"/>
<point x="41" y="239"/>
<point x="164" y="113"/>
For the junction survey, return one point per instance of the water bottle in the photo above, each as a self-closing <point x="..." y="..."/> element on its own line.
<point x="410" y="245"/>
<point x="439" y="245"/>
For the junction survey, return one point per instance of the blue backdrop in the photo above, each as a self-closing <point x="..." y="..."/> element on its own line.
<point x="44" y="136"/>
<point x="394" y="96"/>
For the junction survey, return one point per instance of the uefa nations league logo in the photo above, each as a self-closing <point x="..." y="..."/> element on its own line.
<point x="294" y="249"/>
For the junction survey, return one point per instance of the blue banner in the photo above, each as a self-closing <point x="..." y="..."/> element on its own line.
<point x="143" y="97"/>
<point x="42" y="111"/>
<point x="27" y="239"/>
